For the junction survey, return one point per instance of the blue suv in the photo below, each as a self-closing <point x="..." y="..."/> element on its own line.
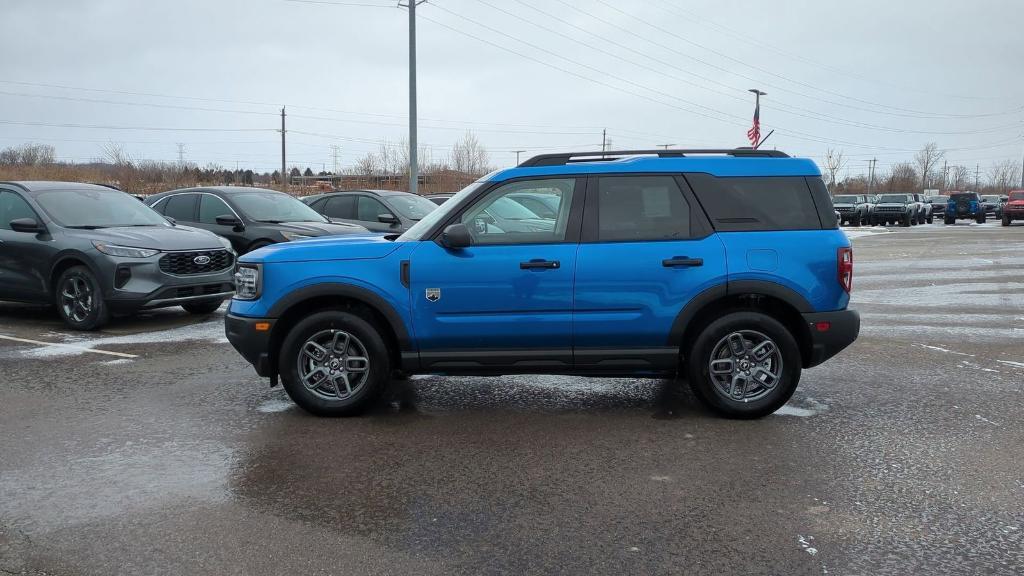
<point x="723" y="266"/>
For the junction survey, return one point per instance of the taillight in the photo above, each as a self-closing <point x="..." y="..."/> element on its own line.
<point x="844" y="265"/>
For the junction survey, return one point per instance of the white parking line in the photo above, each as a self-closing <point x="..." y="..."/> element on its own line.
<point x="82" y="348"/>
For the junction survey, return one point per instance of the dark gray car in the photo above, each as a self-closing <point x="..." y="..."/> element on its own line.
<point x="94" y="251"/>
<point x="250" y="218"/>
<point x="386" y="211"/>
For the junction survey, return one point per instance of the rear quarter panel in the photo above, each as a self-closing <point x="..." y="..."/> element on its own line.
<point x="801" y="260"/>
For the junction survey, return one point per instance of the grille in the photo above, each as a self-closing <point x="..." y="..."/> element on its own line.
<point x="844" y="208"/>
<point x="890" y="208"/>
<point x="184" y="263"/>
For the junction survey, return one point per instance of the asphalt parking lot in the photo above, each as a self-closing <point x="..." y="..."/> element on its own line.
<point x="152" y="448"/>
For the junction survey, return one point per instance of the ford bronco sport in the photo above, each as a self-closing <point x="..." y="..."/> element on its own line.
<point x="723" y="266"/>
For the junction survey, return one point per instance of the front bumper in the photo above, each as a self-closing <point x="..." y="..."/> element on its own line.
<point x="252" y="343"/>
<point x="840" y="330"/>
<point x="131" y="284"/>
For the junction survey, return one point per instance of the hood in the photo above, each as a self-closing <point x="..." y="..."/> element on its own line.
<point x="843" y="205"/>
<point x="156" y="237"/>
<point x="895" y="203"/>
<point x="320" y="228"/>
<point x="347" y="247"/>
<point x="1016" y="203"/>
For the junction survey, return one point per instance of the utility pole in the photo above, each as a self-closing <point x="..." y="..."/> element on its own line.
<point x="413" y="167"/>
<point x="181" y="154"/>
<point x="754" y="134"/>
<point x="871" y="174"/>
<point x="284" y="173"/>
<point x="666" y="146"/>
<point x="945" y="173"/>
<point x="1022" y="172"/>
<point x="334" y="153"/>
<point x="604" y="139"/>
<point x="977" y="173"/>
<point x="517" y="155"/>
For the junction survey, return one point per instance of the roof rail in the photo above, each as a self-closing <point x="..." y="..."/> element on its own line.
<point x="563" y="158"/>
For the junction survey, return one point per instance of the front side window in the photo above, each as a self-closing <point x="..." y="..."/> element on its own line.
<point x="369" y="209"/>
<point x="641" y="208"/>
<point x="13" y="207"/>
<point x="210" y="207"/>
<point x="97" y="209"/>
<point x="498" y="219"/>
<point x="418" y="231"/>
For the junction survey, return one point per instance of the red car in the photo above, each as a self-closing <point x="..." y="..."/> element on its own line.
<point x="1014" y="207"/>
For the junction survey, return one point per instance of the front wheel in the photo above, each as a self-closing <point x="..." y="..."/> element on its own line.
<point x="1006" y="220"/>
<point x="79" y="299"/>
<point x="334" y="363"/>
<point x="906" y="221"/>
<point x="931" y="219"/>
<point x="203" y="306"/>
<point x="744" y="365"/>
<point x="948" y="220"/>
<point x="981" y="218"/>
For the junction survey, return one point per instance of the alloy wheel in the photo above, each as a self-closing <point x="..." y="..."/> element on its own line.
<point x="333" y="365"/>
<point x="76" y="298"/>
<point x="745" y="366"/>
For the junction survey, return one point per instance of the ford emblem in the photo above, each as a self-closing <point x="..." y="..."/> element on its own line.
<point x="201" y="260"/>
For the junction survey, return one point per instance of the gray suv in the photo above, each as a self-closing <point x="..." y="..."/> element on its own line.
<point x="93" y="251"/>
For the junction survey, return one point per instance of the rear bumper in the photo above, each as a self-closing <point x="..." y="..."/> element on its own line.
<point x="252" y="344"/>
<point x="842" y="329"/>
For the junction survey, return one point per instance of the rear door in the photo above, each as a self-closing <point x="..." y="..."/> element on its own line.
<point x="646" y="251"/>
<point x="24" y="257"/>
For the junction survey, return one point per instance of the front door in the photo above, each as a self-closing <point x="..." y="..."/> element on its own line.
<point x="506" y="300"/>
<point x="646" y="251"/>
<point x="24" y="257"/>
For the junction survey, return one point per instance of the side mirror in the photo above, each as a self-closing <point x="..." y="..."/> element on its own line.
<point x="27" y="225"/>
<point x="230" y="220"/>
<point x="456" y="237"/>
<point x="387" y="218"/>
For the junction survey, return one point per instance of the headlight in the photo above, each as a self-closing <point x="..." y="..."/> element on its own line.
<point x="124" y="251"/>
<point x="289" y="236"/>
<point x="247" y="282"/>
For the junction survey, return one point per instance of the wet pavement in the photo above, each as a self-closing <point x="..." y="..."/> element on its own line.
<point x="152" y="448"/>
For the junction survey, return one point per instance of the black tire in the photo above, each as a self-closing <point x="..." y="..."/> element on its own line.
<point x="931" y="219"/>
<point x="1006" y="220"/>
<point x="866" y="221"/>
<point x="257" y="245"/>
<point x="981" y="218"/>
<point x="948" y="220"/>
<point x="202" y="307"/>
<point x="698" y="359"/>
<point x="91" y="312"/>
<point x="906" y="221"/>
<point x="378" y="370"/>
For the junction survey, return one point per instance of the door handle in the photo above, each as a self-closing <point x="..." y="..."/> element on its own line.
<point x="679" y="261"/>
<point x="543" y="264"/>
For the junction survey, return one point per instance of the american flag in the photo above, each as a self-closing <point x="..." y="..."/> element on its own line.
<point x="754" y="134"/>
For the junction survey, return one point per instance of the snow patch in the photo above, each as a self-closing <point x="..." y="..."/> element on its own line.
<point x="981" y="418"/>
<point x="805" y="543"/>
<point x="275" y="405"/>
<point x="1009" y="363"/>
<point x="941" y="349"/>
<point x="211" y="331"/>
<point x="117" y="362"/>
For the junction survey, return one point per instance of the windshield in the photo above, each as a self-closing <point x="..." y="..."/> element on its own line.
<point x="97" y="209"/>
<point x="411" y="206"/>
<point x="845" y="200"/>
<point x="274" y="207"/>
<point x="897" y="198"/>
<point x="942" y="199"/>
<point x="508" y="209"/>
<point x="958" y="197"/>
<point x="1016" y="195"/>
<point x="990" y="198"/>
<point x="419" y="229"/>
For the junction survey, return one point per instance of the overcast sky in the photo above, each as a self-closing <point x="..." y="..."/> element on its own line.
<point x="873" y="78"/>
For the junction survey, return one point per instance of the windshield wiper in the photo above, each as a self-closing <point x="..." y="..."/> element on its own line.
<point x="272" y="221"/>
<point x="86" y="227"/>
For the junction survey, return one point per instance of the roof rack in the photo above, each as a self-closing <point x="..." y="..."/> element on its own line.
<point x="563" y="158"/>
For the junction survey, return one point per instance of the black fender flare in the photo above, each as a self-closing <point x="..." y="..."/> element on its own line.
<point x="64" y="257"/>
<point x="735" y="288"/>
<point x="347" y="291"/>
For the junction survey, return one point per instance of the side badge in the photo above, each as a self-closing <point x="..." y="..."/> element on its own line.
<point x="433" y="294"/>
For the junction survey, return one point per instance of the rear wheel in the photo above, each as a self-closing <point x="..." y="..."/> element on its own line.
<point x="334" y="363"/>
<point x="1006" y="220"/>
<point x="79" y="299"/>
<point x="744" y="365"/>
<point x="203" y="306"/>
<point x="948" y="220"/>
<point x="981" y="218"/>
<point x="906" y="221"/>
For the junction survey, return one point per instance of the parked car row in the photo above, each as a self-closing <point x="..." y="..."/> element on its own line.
<point x="93" y="251"/>
<point x="909" y="209"/>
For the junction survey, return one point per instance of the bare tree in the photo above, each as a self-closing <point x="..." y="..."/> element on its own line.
<point x="902" y="178"/>
<point x="368" y="165"/>
<point x="1003" y="175"/>
<point x="959" y="177"/>
<point x="927" y="160"/>
<point x="834" y="162"/>
<point x="114" y="153"/>
<point x="469" y="156"/>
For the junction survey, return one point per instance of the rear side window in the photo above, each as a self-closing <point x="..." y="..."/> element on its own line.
<point x="181" y="207"/>
<point x="341" y="207"/>
<point x="736" y="204"/>
<point x="958" y="197"/>
<point x="641" y="208"/>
